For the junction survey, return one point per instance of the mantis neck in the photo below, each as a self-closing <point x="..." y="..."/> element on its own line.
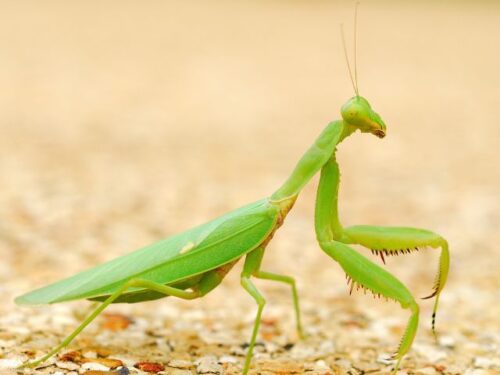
<point x="314" y="159"/>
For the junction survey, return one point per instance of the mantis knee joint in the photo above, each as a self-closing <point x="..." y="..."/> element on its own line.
<point x="261" y="302"/>
<point x="411" y="305"/>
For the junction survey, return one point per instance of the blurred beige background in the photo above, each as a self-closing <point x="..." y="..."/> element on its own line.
<point x="125" y="122"/>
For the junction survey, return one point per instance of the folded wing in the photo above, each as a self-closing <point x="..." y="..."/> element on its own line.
<point x="186" y="254"/>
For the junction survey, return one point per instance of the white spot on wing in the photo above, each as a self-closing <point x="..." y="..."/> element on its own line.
<point x="186" y="248"/>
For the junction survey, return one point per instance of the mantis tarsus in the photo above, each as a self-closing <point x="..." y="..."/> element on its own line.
<point x="191" y="264"/>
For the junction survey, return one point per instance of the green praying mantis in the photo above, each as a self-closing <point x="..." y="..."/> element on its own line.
<point x="192" y="263"/>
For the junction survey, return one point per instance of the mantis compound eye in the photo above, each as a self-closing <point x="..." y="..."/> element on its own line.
<point x="351" y="116"/>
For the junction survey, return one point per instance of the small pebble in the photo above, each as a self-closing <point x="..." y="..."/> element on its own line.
<point x="7" y="343"/>
<point x="237" y="350"/>
<point x="98" y="351"/>
<point x="94" y="366"/>
<point x="10" y="363"/>
<point x="66" y="365"/>
<point x="302" y="350"/>
<point x="430" y="352"/>
<point x="281" y="367"/>
<point x="447" y="342"/>
<point x="321" y="364"/>
<point x="344" y="363"/>
<point x="208" y="365"/>
<point x="149" y="367"/>
<point x="385" y="359"/>
<point x="180" y="363"/>
<point x="427" y="371"/>
<point x="454" y="369"/>
<point x="108" y="362"/>
<point x="178" y="371"/>
<point x="228" y="359"/>
<point x="475" y="371"/>
<point x="483" y="362"/>
<point x="367" y="367"/>
<point x="271" y="347"/>
<point x="327" y="347"/>
<point x="123" y="371"/>
<point x="115" y="322"/>
<point x="72" y="356"/>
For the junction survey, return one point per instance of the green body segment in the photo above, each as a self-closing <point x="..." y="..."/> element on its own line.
<point x="311" y="162"/>
<point x="192" y="263"/>
<point x="182" y="256"/>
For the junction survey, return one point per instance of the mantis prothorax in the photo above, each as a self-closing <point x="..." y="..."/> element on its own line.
<point x="191" y="264"/>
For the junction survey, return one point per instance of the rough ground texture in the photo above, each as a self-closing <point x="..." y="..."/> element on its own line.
<point x="124" y="122"/>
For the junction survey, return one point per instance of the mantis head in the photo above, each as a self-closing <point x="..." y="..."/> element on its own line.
<point x="358" y="113"/>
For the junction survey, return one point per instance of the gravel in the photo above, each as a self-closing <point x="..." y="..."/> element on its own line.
<point x="119" y="127"/>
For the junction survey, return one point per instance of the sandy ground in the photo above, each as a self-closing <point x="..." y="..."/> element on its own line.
<point x="124" y="122"/>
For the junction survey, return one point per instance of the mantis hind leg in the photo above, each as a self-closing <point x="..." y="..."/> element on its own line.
<point x="146" y="284"/>
<point x="362" y="273"/>
<point x="404" y="240"/>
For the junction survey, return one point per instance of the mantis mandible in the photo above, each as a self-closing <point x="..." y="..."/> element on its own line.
<point x="192" y="263"/>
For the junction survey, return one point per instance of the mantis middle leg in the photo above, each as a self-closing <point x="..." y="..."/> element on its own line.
<point x="255" y="259"/>
<point x="252" y="268"/>
<point x="252" y="264"/>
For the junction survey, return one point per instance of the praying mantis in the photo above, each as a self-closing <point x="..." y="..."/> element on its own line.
<point x="191" y="264"/>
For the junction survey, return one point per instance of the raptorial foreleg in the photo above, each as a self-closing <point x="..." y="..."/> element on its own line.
<point x="359" y="270"/>
<point x="362" y="273"/>
<point x="388" y="241"/>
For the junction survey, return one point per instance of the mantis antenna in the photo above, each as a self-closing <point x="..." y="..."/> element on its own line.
<point x="354" y="79"/>
<point x="355" y="47"/>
